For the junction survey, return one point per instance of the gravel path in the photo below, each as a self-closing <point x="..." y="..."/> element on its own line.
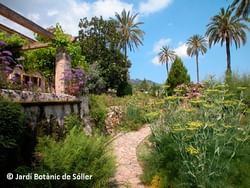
<point x="128" y="168"/>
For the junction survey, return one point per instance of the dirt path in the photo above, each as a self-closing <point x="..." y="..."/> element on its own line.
<point x="128" y="168"/>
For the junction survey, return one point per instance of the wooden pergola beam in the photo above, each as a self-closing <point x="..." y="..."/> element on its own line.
<point x="12" y="31"/>
<point x="34" y="45"/>
<point x="15" y="17"/>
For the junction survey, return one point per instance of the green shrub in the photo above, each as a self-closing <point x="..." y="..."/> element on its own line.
<point x="98" y="110"/>
<point x="11" y="130"/>
<point x="124" y="89"/>
<point x="240" y="85"/>
<point x="178" y="75"/>
<point x="202" y="145"/>
<point x="71" y="121"/>
<point x="77" y="153"/>
<point x="133" y="118"/>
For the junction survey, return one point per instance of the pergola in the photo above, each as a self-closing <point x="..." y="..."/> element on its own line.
<point x="63" y="61"/>
<point x="21" y="20"/>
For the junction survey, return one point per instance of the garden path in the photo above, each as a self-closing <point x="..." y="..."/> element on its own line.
<point x="128" y="168"/>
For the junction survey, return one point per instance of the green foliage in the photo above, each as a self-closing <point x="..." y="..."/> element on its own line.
<point x="43" y="60"/>
<point x="178" y="74"/>
<point x="144" y="86"/>
<point x="98" y="110"/>
<point x="14" y="43"/>
<point x="240" y="86"/>
<point x="77" y="153"/>
<point x="11" y="130"/>
<point x="71" y="121"/>
<point x="99" y="42"/>
<point x="124" y="89"/>
<point x="133" y="118"/>
<point x="11" y="122"/>
<point x="201" y="144"/>
<point x="95" y="82"/>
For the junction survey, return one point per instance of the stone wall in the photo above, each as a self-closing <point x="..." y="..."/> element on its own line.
<point x="29" y="96"/>
<point x="47" y="106"/>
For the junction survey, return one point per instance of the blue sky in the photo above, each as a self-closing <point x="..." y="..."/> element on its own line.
<point x="169" y="22"/>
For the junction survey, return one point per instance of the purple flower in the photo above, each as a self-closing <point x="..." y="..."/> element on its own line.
<point x="19" y="66"/>
<point x="7" y="68"/>
<point x="7" y="53"/>
<point x="2" y="44"/>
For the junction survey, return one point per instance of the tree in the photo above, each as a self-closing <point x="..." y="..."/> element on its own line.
<point x="131" y="34"/>
<point x="166" y="55"/>
<point x="178" y="75"/>
<point x="99" y="41"/>
<point x="242" y="7"/>
<point x="227" y="28"/>
<point x="196" y="44"/>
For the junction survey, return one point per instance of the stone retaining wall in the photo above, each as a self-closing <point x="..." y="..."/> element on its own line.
<point x="48" y="106"/>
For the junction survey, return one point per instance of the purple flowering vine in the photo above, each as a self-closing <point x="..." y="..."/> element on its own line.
<point x="75" y="80"/>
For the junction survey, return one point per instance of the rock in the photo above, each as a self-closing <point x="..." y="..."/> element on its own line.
<point x="113" y="118"/>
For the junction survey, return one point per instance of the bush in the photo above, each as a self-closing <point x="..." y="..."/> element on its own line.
<point x="11" y="130"/>
<point x="133" y="118"/>
<point x="76" y="153"/>
<point x="124" y="89"/>
<point x="240" y="85"/>
<point x="178" y="75"/>
<point x="201" y="144"/>
<point x="98" y="110"/>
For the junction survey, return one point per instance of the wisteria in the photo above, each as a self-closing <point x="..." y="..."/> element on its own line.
<point x="6" y="59"/>
<point x="75" y="80"/>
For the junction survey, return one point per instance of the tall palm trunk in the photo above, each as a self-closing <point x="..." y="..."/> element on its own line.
<point x="126" y="60"/>
<point x="197" y="68"/>
<point x="167" y="66"/>
<point x="228" y="56"/>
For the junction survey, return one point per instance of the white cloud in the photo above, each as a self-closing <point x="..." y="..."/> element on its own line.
<point x="151" y="6"/>
<point x="181" y="50"/>
<point x="52" y="12"/>
<point x="68" y="12"/>
<point x="160" y="43"/>
<point x="108" y="8"/>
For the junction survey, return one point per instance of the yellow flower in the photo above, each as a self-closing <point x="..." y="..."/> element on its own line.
<point x="189" y="110"/>
<point x="178" y="129"/>
<point x="208" y="106"/>
<point x="197" y="102"/>
<point x="192" y="151"/>
<point x="227" y="126"/>
<point x="195" y="124"/>
<point x="241" y="88"/>
<point x="221" y="86"/>
<point x="155" y="183"/>
<point x="171" y="98"/>
<point x="213" y="91"/>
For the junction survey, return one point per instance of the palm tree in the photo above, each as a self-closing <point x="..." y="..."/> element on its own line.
<point x="166" y="55"/>
<point x="227" y="28"/>
<point x="131" y="34"/>
<point x="242" y="7"/>
<point x="196" y="44"/>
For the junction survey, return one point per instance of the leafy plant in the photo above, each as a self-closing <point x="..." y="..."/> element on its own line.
<point x="98" y="110"/>
<point x="73" y="154"/>
<point x="124" y="88"/>
<point x="178" y="75"/>
<point x="196" y="145"/>
<point x="11" y="130"/>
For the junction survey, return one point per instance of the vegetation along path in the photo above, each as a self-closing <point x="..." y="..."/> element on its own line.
<point x="128" y="168"/>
